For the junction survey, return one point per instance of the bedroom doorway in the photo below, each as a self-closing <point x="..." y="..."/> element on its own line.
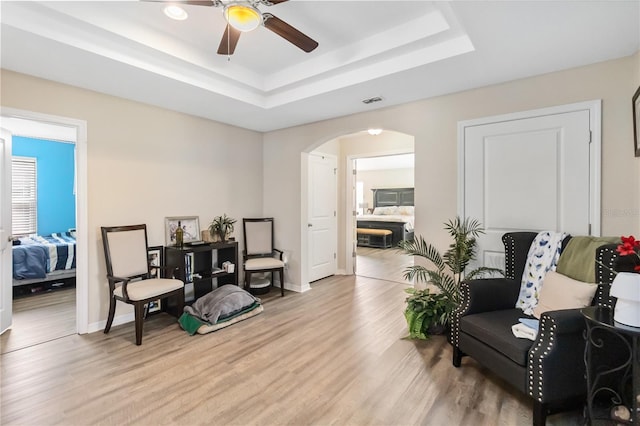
<point x="384" y="214"/>
<point x="347" y="148"/>
<point x="48" y="309"/>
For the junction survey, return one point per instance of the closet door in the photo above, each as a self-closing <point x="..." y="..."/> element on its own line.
<point x="533" y="172"/>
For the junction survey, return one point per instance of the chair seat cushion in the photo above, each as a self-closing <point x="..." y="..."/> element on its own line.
<point x="140" y="290"/>
<point x="260" y="263"/>
<point x="494" y="329"/>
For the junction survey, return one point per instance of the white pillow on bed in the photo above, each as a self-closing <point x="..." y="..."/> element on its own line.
<point x="406" y="210"/>
<point x="386" y="211"/>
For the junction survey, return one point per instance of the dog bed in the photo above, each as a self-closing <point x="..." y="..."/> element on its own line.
<point x="218" y="309"/>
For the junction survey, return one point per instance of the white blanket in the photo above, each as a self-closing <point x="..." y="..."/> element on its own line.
<point x="542" y="257"/>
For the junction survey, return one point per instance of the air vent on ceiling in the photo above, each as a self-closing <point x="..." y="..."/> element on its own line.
<point x="372" y="100"/>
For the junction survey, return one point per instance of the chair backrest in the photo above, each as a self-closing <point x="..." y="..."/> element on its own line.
<point x="125" y="250"/>
<point x="258" y="236"/>
<point x="606" y="261"/>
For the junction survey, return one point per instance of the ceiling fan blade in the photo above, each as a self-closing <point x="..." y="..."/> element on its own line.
<point x="229" y="41"/>
<point x="276" y="1"/>
<point x="289" y="33"/>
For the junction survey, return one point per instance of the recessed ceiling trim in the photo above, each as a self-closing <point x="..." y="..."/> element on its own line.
<point x="417" y="29"/>
<point x="446" y="49"/>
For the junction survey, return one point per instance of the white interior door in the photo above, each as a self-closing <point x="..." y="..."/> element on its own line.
<point x="6" y="296"/>
<point x="322" y="216"/>
<point x="532" y="173"/>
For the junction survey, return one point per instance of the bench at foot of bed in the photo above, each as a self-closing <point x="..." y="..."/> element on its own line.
<point x="380" y="238"/>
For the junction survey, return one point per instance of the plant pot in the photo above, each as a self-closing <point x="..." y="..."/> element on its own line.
<point x="436" y="329"/>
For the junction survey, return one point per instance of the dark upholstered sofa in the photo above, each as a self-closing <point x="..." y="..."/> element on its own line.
<point x="550" y="369"/>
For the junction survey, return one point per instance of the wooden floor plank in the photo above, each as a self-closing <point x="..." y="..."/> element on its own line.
<point x="335" y="355"/>
<point x="40" y="317"/>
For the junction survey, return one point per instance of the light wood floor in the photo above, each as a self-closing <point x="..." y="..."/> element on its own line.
<point x="39" y="318"/>
<point x="385" y="264"/>
<point x="335" y="355"/>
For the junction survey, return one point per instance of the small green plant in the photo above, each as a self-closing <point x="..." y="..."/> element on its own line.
<point x="222" y="226"/>
<point x="426" y="312"/>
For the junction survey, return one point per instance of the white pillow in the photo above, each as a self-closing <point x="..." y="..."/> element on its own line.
<point x="406" y="210"/>
<point x="561" y="292"/>
<point x="387" y="210"/>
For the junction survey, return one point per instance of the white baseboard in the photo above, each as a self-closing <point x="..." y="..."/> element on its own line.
<point x="122" y="319"/>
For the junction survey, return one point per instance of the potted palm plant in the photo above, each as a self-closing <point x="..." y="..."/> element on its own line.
<point x="450" y="270"/>
<point x="221" y="227"/>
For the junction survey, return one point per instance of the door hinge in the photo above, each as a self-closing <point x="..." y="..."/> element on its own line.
<point x="590" y="136"/>
<point x="354" y="171"/>
<point x="589" y="230"/>
<point x="335" y="171"/>
<point x="354" y="213"/>
<point x="354" y="254"/>
<point x="334" y="255"/>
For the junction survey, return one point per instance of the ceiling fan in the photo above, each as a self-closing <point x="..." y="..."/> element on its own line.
<point x="243" y="16"/>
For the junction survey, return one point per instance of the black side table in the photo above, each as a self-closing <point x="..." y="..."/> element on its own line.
<point x="612" y="373"/>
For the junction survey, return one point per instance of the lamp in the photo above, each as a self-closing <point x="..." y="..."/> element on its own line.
<point x="175" y="12"/>
<point x="626" y="287"/>
<point x="242" y="16"/>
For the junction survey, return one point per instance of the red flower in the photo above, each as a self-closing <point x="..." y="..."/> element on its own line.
<point x="628" y="246"/>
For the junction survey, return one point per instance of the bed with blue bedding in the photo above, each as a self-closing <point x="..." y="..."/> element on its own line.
<point x="44" y="258"/>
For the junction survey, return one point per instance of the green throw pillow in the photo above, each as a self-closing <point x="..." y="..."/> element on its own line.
<point x="578" y="258"/>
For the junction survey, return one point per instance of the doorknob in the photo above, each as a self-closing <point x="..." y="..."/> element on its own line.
<point x="309" y="225"/>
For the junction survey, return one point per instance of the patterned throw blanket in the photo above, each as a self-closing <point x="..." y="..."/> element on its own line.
<point x="542" y="257"/>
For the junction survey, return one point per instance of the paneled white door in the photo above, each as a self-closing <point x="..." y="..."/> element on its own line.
<point x="534" y="172"/>
<point x="322" y="219"/>
<point x="6" y="285"/>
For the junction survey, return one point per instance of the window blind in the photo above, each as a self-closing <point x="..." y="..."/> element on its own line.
<point x="24" y="196"/>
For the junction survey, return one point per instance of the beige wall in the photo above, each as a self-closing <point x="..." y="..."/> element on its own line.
<point x="145" y="163"/>
<point x="433" y="124"/>
<point x="387" y="178"/>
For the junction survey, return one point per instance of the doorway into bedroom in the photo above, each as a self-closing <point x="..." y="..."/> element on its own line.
<point x="384" y="199"/>
<point x="366" y="162"/>
<point x="43" y="206"/>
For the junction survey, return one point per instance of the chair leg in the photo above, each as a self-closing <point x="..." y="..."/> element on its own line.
<point x="247" y="281"/>
<point x="139" y="313"/>
<point x="281" y="270"/>
<point x="112" y="312"/>
<point x="457" y="356"/>
<point x="540" y="411"/>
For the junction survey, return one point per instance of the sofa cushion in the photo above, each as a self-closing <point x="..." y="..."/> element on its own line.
<point x="561" y="292"/>
<point x="494" y="329"/>
<point x="577" y="259"/>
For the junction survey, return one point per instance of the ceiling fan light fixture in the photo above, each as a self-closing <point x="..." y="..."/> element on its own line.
<point x="374" y="132"/>
<point x="175" y="12"/>
<point x="242" y="17"/>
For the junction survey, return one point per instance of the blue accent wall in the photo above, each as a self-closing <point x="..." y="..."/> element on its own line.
<point x="56" y="200"/>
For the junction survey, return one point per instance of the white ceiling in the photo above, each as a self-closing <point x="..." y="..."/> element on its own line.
<point x="399" y="50"/>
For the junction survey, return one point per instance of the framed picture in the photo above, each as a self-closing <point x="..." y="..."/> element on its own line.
<point x="190" y="225"/>
<point x="155" y="257"/>
<point x="636" y="122"/>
